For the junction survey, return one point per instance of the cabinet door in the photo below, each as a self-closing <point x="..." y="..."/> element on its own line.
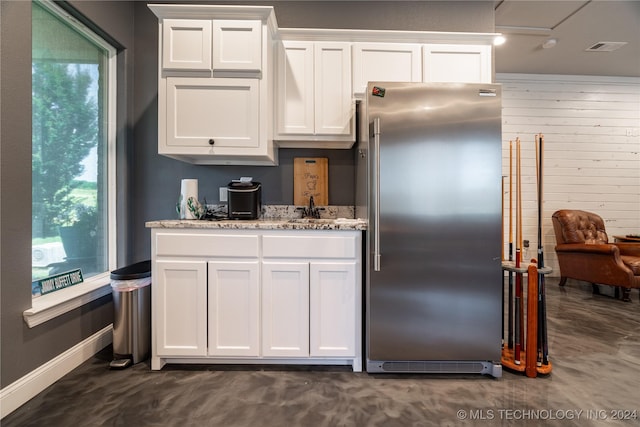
<point x="388" y="62"/>
<point x="332" y="306"/>
<point x="233" y="308"/>
<point x="314" y="99"/>
<point x="186" y="44"/>
<point x="180" y="303"/>
<point x="457" y="63"/>
<point x="237" y="45"/>
<point x="333" y="96"/>
<point x="285" y="309"/>
<point x="201" y="110"/>
<point x="295" y="88"/>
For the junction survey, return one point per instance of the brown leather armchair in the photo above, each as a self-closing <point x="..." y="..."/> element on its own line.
<point x="584" y="252"/>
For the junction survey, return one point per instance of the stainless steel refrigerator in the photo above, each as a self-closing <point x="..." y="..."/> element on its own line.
<point x="429" y="181"/>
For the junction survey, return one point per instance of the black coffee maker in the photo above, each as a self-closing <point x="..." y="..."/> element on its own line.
<point x="245" y="199"/>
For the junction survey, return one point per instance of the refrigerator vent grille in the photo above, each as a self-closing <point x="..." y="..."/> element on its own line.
<point x="434" y="367"/>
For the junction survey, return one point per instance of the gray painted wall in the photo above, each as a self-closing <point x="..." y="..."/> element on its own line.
<point x="15" y="180"/>
<point x="22" y="349"/>
<point x="149" y="183"/>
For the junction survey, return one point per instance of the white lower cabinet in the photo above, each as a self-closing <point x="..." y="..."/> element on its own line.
<point x="247" y="296"/>
<point x="285" y="309"/>
<point x="234" y="301"/>
<point x="308" y="309"/>
<point x="180" y="308"/>
<point x="332" y="296"/>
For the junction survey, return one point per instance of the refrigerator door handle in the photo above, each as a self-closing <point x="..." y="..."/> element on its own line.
<point x="376" y="191"/>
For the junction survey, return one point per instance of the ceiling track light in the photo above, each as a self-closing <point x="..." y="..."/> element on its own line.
<point x="523" y="31"/>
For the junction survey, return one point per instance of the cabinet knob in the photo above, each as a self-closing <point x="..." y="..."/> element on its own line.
<point x="212" y="141"/>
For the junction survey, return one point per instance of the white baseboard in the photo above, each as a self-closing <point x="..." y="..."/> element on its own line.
<point x="21" y="391"/>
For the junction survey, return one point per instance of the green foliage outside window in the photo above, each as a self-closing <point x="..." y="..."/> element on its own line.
<point x="65" y="129"/>
<point x="73" y="140"/>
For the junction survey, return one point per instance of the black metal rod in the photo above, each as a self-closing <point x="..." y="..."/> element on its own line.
<point x="543" y="345"/>
<point x="510" y="317"/>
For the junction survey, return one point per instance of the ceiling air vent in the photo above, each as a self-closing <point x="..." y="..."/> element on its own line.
<point x="605" y="46"/>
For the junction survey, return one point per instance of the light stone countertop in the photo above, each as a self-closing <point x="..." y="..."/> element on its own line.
<point x="276" y="217"/>
<point x="264" y="224"/>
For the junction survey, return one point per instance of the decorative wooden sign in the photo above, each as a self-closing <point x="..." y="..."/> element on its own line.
<point x="310" y="178"/>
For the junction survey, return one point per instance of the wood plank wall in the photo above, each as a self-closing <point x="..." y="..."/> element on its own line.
<point x="591" y="128"/>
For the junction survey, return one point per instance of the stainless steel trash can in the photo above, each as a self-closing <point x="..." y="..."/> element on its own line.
<point x="131" y="291"/>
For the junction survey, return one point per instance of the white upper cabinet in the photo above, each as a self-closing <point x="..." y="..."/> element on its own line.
<point x="300" y="85"/>
<point x="237" y="45"/>
<point x="294" y="91"/>
<point x="186" y="44"/>
<point x="386" y="62"/>
<point x="456" y="63"/>
<point x="217" y="114"/>
<point x="403" y="62"/>
<point x="215" y="84"/>
<point x="217" y="45"/>
<point x="334" y="108"/>
<point x="314" y="104"/>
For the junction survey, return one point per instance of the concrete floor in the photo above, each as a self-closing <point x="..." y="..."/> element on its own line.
<point x="594" y="343"/>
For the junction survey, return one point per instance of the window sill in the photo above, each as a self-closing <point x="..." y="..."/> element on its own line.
<point x="52" y="305"/>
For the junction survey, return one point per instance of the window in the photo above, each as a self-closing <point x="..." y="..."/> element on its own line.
<point x="73" y="153"/>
